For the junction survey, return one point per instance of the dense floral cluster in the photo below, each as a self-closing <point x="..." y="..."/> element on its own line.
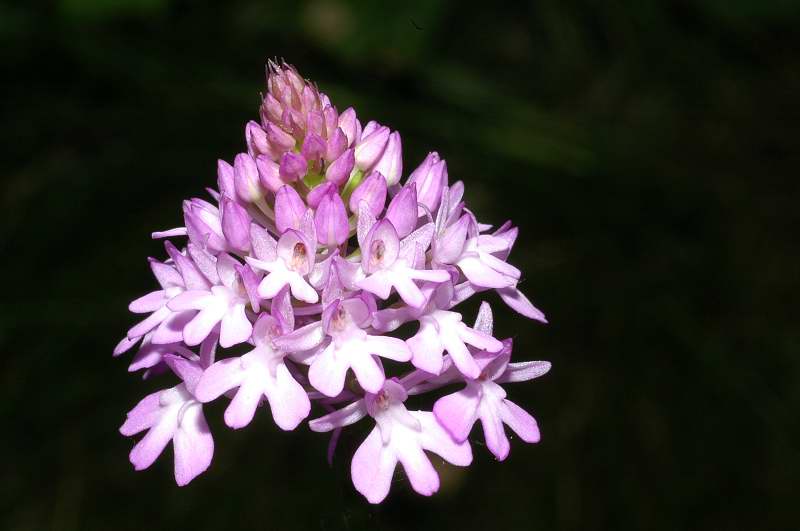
<point x="300" y="260"/>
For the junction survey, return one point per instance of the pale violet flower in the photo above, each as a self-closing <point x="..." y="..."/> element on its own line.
<point x="399" y="436"/>
<point x="300" y="270"/>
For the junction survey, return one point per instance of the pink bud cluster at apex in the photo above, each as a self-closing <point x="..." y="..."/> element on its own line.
<point x="309" y="255"/>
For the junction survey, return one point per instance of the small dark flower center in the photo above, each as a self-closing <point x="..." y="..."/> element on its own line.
<point x="378" y="250"/>
<point x="382" y="400"/>
<point x="339" y="320"/>
<point x="298" y="255"/>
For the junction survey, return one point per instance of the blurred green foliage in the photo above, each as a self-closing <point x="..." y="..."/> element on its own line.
<point x="648" y="151"/>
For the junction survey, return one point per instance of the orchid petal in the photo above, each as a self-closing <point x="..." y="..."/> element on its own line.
<point x="193" y="444"/>
<point x="372" y="468"/>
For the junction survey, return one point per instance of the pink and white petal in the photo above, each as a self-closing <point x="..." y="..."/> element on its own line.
<point x="166" y="275"/>
<point x="220" y="378"/>
<point x="188" y="370"/>
<point x="418" y="467"/>
<point x="390" y="319"/>
<point x="125" y="345"/>
<point x="388" y="347"/>
<point x="518" y="302"/>
<point x="408" y="291"/>
<point x="144" y="415"/>
<point x="236" y="327"/>
<point x="152" y="320"/>
<point x="450" y="243"/>
<point x="263" y="244"/>
<point x="242" y="408"/>
<point x="484" y="322"/>
<point x="302" y="290"/>
<point x="148" y="303"/>
<point x="205" y="261"/>
<point x="489" y="243"/>
<point x="274" y="282"/>
<point x="281" y="309"/>
<point x="431" y="275"/>
<point x="464" y="291"/>
<point x="263" y="265"/>
<point x="171" y="329"/>
<point x="458" y="412"/>
<point x="508" y="233"/>
<point x="426" y="348"/>
<point x="372" y="468"/>
<point x="422" y="237"/>
<point x="192" y="277"/>
<point x="350" y="414"/>
<point x="434" y="438"/>
<point x="153" y="443"/>
<point x="524" y="371"/>
<point x="482" y="275"/>
<point x="203" y="323"/>
<point x="304" y="338"/>
<point x="456" y="193"/>
<point x="327" y="372"/>
<point x="520" y="421"/>
<point x="493" y="431"/>
<point x="193" y="299"/>
<point x="287" y="399"/>
<point x="365" y="223"/>
<point x="148" y="356"/>
<point x="208" y="350"/>
<point x="377" y="283"/>
<point x="501" y="266"/>
<point x="368" y="373"/>
<point x="478" y="339"/>
<point x="250" y="281"/>
<point x="193" y="445"/>
<point x="493" y="365"/>
<point x="460" y="355"/>
<point x="169" y="233"/>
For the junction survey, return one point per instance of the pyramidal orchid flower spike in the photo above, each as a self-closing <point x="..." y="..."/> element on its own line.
<point x="308" y="256"/>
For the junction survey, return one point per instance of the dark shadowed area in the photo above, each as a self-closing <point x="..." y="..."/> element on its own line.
<point x="648" y="153"/>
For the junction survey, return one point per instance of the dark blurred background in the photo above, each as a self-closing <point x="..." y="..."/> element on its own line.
<point x="647" y="150"/>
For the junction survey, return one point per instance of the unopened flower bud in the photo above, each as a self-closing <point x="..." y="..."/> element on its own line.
<point x="372" y="190"/>
<point x="337" y="144"/>
<point x="316" y="195"/>
<point x="279" y="138"/>
<point x="331" y="120"/>
<point x="339" y="171"/>
<point x="314" y="148"/>
<point x="269" y="173"/>
<point x="350" y="126"/>
<point x="331" y="220"/>
<point x="430" y="178"/>
<point x="225" y="180"/>
<point x="256" y="139"/>
<point x="402" y="211"/>
<point x="293" y="166"/>
<point x="315" y="123"/>
<point x="246" y="179"/>
<point x="371" y="147"/>
<point x="271" y="110"/>
<point x="391" y="162"/>
<point x="235" y="224"/>
<point x="289" y="209"/>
